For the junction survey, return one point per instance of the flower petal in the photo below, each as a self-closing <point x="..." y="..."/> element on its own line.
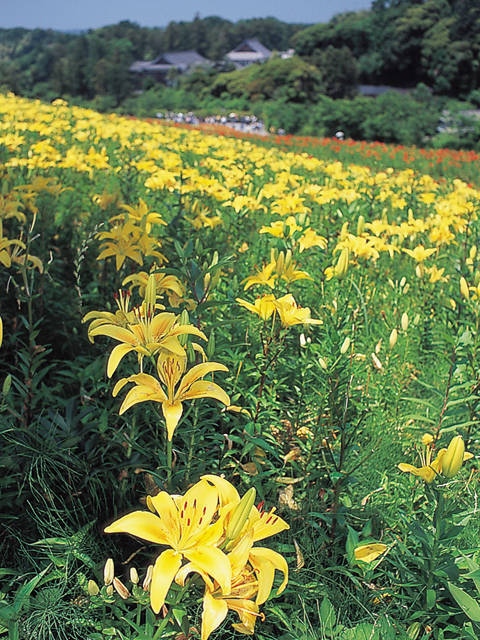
<point x="226" y="491"/>
<point x="214" y="562"/>
<point x="266" y="524"/>
<point x="116" y="357"/>
<point x="214" y="613"/>
<point x="265" y="561"/>
<point x="206" y="389"/>
<point x="141" y="393"/>
<point x="172" y="412"/>
<point x="164" y="571"/>
<point x="167" y="510"/>
<point x="199" y="371"/>
<point x="141" y="524"/>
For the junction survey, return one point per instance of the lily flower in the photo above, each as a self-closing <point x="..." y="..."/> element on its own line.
<point x="121" y="242"/>
<point x="164" y="283"/>
<point x="140" y="214"/>
<point x="173" y="387"/>
<point x="430" y="469"/>
<point x="121" y="318"/>
<point x="240" y="599"/>
<point x="187" y="526"/>
<point x="264" y="277"/>
<point x="420" y="254"/>
<point x="263" y="307"/>
<point x="290" y="313"/>
<point x="447" y="462"/>
<point x="147" y="336"/>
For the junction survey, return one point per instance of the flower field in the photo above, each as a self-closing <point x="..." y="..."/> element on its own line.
<point x="240" y="388"/>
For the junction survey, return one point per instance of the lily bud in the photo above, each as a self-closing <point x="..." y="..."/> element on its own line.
<point x="323" y="363"/>
<point x="414" y="630"/>
<point x="121" y="589"/>
<point x="393" y="338"/>
<point x="7" y="383"/>
<point x="151" y="292"/>
<point x="134" y="575"/>
<point x="210" y="350"/>
<point x="360" y="225"/>
<point x="342" y="264"/>
<point x="453" y="458"/>
<point x="108" y="572"/>
<point x="404" y="321"/>
<point x="345" y="346"/>
<point x="240" y="515"/>
<point x="464" y="290"/>
<point x="280" y="264"/>
<point x="92" y="588"/>
<point x="376" y="362"/>
<point x="148" y="578"/>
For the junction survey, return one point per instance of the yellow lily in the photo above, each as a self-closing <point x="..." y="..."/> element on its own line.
<point x="311" y="238"/>
<point x="191" y="527"/>
<point x="140" y="214"/>
<point x="258" y="526"/>
<point x="447" y="462"/>
<point x="287" y="268"/>
<point x="430" y="469"/>
<point x="148" y="335"/>
<point x="253" y="570"/>
<point x="216" y="605"/>
<point x="121" y="318"/>
<point x="420" y="254"/>
<point x="180" y="386"/>
<point x="5" y="251"/>
<point x="263" y="307"/>
<point x="164" y="283"/>
<point x="121" y="242"/>
<point x="340" y="269"/>
<point x="265" y="277"/>
<point x="290" y="313"/>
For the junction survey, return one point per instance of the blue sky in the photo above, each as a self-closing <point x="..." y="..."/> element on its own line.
<point x="91" y="14"/>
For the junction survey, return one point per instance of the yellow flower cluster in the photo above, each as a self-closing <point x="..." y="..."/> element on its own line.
<point x="155" y="335"/>
<point x="210" y="532"/>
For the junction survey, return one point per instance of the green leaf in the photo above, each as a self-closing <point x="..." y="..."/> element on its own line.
<point x="469" y="605"/>
<point x="431" y="598"/>
<point x="327" y="616"/>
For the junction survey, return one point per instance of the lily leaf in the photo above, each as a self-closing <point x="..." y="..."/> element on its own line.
<point x="469" y="605"/>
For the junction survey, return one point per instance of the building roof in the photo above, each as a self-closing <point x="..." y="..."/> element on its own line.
<point x="248" y="51"/>
<point x="181" y="60"/>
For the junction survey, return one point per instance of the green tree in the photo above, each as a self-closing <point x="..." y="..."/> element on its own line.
<point x="339" y="72"/>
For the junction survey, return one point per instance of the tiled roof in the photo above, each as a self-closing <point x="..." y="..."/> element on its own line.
<point x="179" y="59"/>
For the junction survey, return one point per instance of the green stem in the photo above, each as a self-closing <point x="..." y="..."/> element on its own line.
<point x="169" y="454"/>
<point x="437" y="521"/>
<point x="191" y="446"/>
